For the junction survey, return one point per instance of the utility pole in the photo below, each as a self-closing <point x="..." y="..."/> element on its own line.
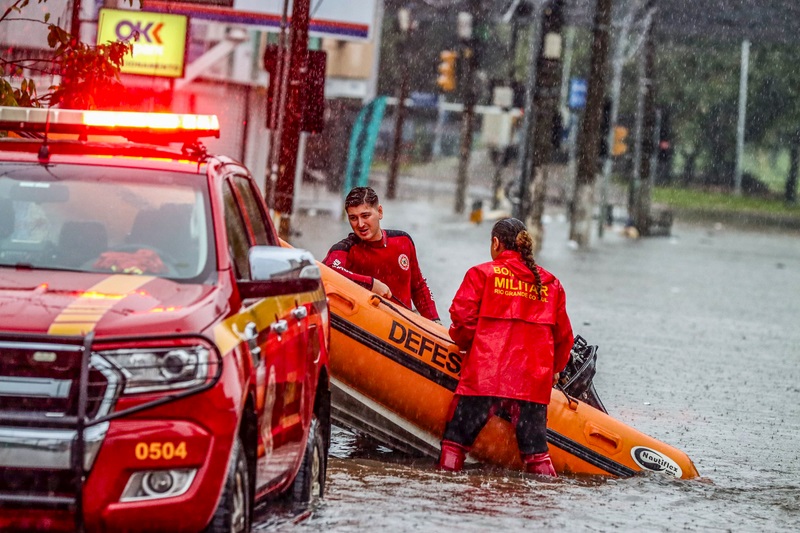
<point x="75" y="23"/>
<point x="617" y="64"/>
<point x="68" y="99"/>
<point x="548" y="93"/>
<point x="645" y="132"/>
<point x="740" y="125"/>
<point x="654" y="158"/>
<point x="289" y="130"/>
<point x="521" y="206"/>
<point x="790" y="193"/>
<point x="406" y="25"/>
<point x="469" y="64"/>
<point x="566" y="67"/>
<point x="276" y="103"/>
<point x="589" y="135"/>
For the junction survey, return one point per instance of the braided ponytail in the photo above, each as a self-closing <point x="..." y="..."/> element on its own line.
<point x="525" y="248"/>
<point x="513" y="235"/>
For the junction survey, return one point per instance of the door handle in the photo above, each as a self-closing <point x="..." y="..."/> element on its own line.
<point x="299" y="313"/>
<point x="250" y="334"/>
<point x="279" y="327"/>
<point x="250" y="331"/>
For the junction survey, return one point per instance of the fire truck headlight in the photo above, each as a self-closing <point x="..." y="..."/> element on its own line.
<point x="158" y="369"/>
<point x="154" y="484"/>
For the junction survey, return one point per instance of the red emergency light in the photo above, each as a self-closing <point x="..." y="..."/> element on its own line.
<point x="172" y="126"/>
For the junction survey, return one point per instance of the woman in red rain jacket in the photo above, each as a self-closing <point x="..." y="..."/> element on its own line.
<point x="510" y="316"/>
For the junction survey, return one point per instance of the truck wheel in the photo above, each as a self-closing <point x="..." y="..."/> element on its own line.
<point x="233" y="510"/>
<point x="309" y="484"/>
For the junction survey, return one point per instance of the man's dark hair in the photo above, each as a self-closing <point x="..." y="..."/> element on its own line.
<point x="361" y="195"/>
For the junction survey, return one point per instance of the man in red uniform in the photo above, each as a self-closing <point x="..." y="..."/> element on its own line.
<point x="510" y="316"/>
<point x="383" y="261"/>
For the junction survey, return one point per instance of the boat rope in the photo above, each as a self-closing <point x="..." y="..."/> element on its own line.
<point x="570" y="400"/>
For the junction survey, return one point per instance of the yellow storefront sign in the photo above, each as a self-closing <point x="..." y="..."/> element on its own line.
<point x="159" y="49"/>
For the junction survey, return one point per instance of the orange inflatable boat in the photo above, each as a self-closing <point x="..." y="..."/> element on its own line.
<point x="394" y="373"/>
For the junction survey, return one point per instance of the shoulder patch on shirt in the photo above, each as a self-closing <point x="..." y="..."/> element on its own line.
<point x="403" y="260"/>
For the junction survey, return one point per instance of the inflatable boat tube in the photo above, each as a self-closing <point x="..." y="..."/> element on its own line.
<point x="403" y="369"/>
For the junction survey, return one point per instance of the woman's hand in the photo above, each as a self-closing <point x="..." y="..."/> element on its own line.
<point x="556" y="377"/>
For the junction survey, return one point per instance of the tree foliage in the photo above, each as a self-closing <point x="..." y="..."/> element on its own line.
<point x="88" y="73"/>
<point x="774" y="95"/>
<point x="698" y="81"/>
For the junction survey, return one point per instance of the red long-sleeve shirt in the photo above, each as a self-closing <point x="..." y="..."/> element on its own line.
<point x="392" y="260"/>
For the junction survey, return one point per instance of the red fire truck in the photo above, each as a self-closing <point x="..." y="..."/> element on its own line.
<point x="163" y="359"/>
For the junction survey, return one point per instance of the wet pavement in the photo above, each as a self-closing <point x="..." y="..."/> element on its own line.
<point x="699" y="337"/>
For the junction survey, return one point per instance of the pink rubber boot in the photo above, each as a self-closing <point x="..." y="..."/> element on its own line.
<point x="539" y="463"/>
<point x="452" y="456"/>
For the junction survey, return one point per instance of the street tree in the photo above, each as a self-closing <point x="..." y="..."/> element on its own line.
<point x="698" y="82"/>
<point x="88" y="74"/>
<point x="775" y="101"/>
<point x="701" y="92"/>
<point x="589" y="134"/>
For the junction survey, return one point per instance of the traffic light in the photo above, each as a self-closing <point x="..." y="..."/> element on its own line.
<point x="447" y="71"/>
<point x="620" y="134"/>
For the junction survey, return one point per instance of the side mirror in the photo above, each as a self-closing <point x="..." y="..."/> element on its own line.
<point x="276" y="271"/>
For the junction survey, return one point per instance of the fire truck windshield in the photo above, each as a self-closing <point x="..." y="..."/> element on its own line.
<point x="98" y="219"/>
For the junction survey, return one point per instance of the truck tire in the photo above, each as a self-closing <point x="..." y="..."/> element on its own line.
<point x="233" y="510"/>
<point x="309" y="485"/>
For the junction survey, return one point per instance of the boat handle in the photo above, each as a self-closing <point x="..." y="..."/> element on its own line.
<point x="337" y="299"/>
<point x="605" y="439"/>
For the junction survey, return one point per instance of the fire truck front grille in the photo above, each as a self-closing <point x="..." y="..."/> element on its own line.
<point x="37" y="481"/>
<point x="42" y="379"/>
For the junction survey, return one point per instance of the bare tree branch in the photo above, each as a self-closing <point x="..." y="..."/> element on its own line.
<point x="11" y="8"/>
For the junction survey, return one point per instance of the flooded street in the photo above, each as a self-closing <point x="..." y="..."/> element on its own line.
<point x="163" y="363"/>
<point x="699" y="337"/>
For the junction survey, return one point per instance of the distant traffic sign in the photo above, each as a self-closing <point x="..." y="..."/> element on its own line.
<point x="577" y="93"/>
<point x="425" y="100"/>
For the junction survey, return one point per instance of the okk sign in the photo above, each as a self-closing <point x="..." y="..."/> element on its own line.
<point x="159" y="40"/>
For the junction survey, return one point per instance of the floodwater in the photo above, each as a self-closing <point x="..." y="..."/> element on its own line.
<point x="699" y="337"/>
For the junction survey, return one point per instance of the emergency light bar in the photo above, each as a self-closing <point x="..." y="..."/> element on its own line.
<point x="179" y="127"/>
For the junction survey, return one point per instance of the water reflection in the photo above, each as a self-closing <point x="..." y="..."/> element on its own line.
<point x="370" y="487"/>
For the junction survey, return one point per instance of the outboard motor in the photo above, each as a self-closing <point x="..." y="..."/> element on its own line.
<point x="576" y="380"/>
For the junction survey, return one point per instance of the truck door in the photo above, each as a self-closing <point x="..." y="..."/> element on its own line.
<point x="283" y="339"/>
